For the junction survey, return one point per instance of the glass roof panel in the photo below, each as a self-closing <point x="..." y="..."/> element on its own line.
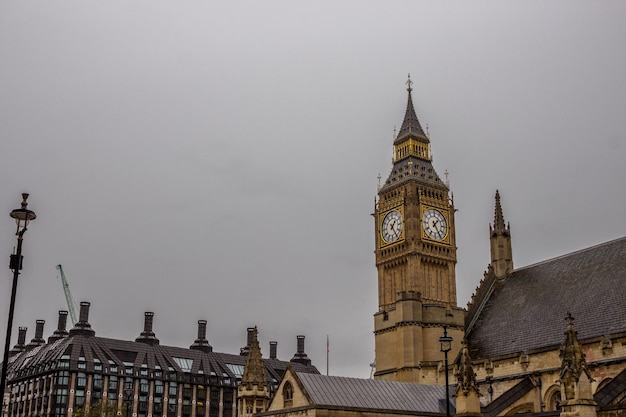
<point x="184" y="363"/>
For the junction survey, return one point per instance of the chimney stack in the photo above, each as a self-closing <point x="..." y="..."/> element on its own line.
<point x="38" y="340"/>
<point x="245" y="350"/>
<point x="83" y="327"/>
<point x="273" y="346"/>
<point x="61" y="331"/>
<point x="21" y="340"/>
<point x="148" y="336"/>
<point x="83" y="316"/>
<point x="201" y="342"/>
<point x="301" y="356"/>
<point x="300" y="339"/>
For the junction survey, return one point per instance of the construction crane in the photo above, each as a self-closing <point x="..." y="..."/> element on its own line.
<point x="71" y="305"/>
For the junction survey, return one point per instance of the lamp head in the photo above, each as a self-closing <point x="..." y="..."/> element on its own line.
<point x="445" y="341"/>
<point x="23" y="215"/>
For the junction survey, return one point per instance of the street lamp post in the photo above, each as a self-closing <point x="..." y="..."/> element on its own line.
<point x="22" y="217"/>
<point x="446" y="346"/>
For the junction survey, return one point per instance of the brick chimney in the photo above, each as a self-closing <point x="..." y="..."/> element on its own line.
<point x="83" y="327"/>
<point x="201" y="342"/>
<point x="300" y="356"/>
<point x="148" y="336"/>
<point x="38" y="340"/>
<point x="61" y="330"/>
<point x="21" y="340"/>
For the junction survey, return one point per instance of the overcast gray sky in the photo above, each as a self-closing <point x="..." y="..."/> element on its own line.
<point x="219" y="160"/>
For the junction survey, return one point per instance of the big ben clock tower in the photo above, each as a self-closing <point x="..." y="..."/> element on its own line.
<point x="416" y="258"/>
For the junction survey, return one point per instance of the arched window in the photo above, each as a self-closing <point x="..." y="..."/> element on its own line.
<point x="287" y="394"/>
<point x="553" y="402"/>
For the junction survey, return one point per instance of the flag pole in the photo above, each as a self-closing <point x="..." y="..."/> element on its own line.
<point x="327" y="351"/>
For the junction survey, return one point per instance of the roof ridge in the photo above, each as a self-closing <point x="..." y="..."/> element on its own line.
<point x="373" y="381"/>
<point x="576" y="252"/>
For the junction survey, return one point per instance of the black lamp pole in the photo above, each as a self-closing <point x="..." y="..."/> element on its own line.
<point x="446" y="346"/>
<point x="22" y="217"/>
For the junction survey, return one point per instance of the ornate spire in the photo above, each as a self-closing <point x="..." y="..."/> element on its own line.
<point x="467" y="394"/>
<point x="465" y="373"/>
<point x="573" y="362"/>
<point x="254" y="372"/>
<point x="498" y="218"/>
<point x="500" y="242"/>
<point x="410" y="125"/>
<point x="575" y="378"/>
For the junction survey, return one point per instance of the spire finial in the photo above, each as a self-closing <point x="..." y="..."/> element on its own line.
<point x="498" y="220"/>
<point x="410" y="124"/>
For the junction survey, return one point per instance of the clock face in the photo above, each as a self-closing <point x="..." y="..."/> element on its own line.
<point x="435" y="224"/>
<point x="392" y="226"/>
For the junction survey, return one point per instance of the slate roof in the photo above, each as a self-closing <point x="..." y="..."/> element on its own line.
<point x="527" y="310"/>
<point x="335" y="391"/>
<point x="412" y="167"/>
<point x="611" y="391"/>
<point x="44" y="359"/>
<point x="508" y="398"/>
<point x="416" y="169"/>
<point x="410" y="125"/>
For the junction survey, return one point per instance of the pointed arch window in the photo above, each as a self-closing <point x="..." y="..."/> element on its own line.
<point x="554" y="400"/>
<point x="288" y="394"/>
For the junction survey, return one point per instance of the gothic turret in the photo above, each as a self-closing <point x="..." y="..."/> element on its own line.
<point x="500" y="239"/>
<point x="253" y="392"/>
<point x="575" y="378"/>
<point x="467" y="395"/>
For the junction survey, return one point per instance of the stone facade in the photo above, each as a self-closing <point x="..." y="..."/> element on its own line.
<point x="416" y="257"/>
<point x="498" y="376"/>
<point x="514" y="325"/>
